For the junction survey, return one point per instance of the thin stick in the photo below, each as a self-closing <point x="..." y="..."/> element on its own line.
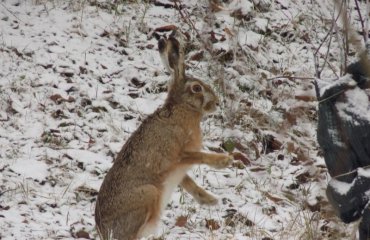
<point x="367" y="21"/>
<point x="328" y="35"/>
<point x="364" y="33"/>
<point x="290" y="77"/>
<point x="330" y="31"/>
<point x="327" y="54"/>
<point x="346" y="36"/>
<point x="191" y="25"/>
<point x="7" y="9"/>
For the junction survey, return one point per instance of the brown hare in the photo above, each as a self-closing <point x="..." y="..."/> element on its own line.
<point x="156" y="158"/>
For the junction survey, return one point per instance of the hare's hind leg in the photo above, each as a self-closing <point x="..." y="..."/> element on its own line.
<point x="199" y="194"/>
<point x="134" y="211"/>
<point x="128" y="227"/>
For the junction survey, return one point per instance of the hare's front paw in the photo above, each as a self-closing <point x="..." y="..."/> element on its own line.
<point x="222" y="161"/>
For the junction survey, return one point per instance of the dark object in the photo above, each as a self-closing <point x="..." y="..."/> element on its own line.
<point x="365" y="224"/>
<point x="358" y="72"/>
<point x="344" y="135"/>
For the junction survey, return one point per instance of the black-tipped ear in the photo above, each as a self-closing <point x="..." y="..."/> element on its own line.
<point x="177" y="56"/>
<point x="173" y="53"/>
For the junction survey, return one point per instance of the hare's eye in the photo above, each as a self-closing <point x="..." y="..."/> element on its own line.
<point x="196" y="88"/>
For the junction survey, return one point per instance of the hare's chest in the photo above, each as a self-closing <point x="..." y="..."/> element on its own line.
<point x="194" y="141"/>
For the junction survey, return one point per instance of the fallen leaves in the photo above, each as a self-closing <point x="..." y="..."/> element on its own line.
<point x="181" y="221"/>
<point x="58" y="99"/>
<point x="82" y="234"/>
<point x="212" y="224"/>
<point x="166" y="28"/>
<point x="273" y="198"/>
<point x="241" y="157"/>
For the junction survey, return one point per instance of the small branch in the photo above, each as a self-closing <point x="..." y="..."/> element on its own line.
<point x="8" y="190"/>
<point x="290" y="78"/>
<point x="346" y="36"/>
<point x="326" y="55"/>
<point x="364" y="32"/>
<point x="367" y="20"/>
<point x="7" y="9"/>
<point x="330" y="31"/>
<point x="187" y="20"/>
<point x="330" y="36"/>
<point x="330" y="97"/>
<point x="316" y="63"/>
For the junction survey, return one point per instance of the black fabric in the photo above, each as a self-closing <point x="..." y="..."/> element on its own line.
<point x="345" y="143"/>
<point x="364" y="228"/>
<point x="339" y="156"/>
<point x="349" y="206"/>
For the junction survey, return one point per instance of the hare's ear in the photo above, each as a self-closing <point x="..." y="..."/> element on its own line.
<point x="172" y="54"/>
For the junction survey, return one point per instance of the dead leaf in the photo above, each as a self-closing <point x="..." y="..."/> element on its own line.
<point x="271" y="144"/>
<point x="181" y="221"/>
<point x="58" y="99"/>
<point x="303" y="177"/>
<point x="216" y="7"/>
<point x="229" y="32"/>
<point x="257" y="169"/>
<point x="273" y="198"/>
<point x="306" y="98"/>
<point x="82" y="234"/>
<point x="166" y="28"/>
<point x="241" y="157"/>
<point x="212" y="224"/>
<point x="290" y="147"/>
<point x="197" y="56"/>
<point x="55" y="98"/>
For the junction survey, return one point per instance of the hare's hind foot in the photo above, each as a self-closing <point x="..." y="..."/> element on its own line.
<point x="199" y="194"/>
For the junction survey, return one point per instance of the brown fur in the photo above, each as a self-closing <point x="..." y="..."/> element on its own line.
<point x="160" y="151"/>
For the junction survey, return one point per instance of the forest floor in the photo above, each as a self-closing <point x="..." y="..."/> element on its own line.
<point x="78" y="77"/>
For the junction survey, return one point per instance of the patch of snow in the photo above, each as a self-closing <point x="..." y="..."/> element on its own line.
<point x="340" y="187"/>
<point x="30" y="168"/>
<point x="364" y="172"/>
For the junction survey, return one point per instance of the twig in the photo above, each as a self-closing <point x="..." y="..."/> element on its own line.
<point x="367" y="20"/>
<point x="328" y="35"/>
<point x="329" y="65"/>
<point x="329" y="32"/>
<point x="353" y="171"/>
<point x="330" y="97"/>
<point x="346" y="40"/>
<point x="364" y="32"/>
<point x="327" y="54"/>
<point x="316" y="63"/>
<point x="8" y="190"/>
<point x="364" y="58"/>
<point x="7" y="9"/>
<point x="291" y="77"/>
<point x="187" y="20"/>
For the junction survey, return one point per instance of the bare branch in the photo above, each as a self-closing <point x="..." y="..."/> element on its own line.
<point x="364" y="32"/>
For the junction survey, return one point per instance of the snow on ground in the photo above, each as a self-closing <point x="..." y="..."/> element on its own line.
<point x="78" y="77"/>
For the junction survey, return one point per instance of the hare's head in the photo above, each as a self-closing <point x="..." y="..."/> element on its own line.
<point x="185" y="89"/>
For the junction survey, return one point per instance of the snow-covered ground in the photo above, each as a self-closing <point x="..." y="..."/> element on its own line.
<point x="78" y="77"/>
